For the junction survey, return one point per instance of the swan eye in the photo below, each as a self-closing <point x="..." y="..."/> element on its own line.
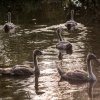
<point x="39" y="52"/>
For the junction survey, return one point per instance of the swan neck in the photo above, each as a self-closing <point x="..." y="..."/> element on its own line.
<point x="35" y="60"/>
<point x="89" y="67"/>
<point x="72" y="15"/>
<point x="9" y="17"/>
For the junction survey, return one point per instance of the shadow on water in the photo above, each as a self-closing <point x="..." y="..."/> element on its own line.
<point x="90" y="90"/>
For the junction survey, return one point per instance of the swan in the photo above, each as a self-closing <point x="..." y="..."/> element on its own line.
<point x="62" y="45"/>
<point x="9" y="25"/>
<point x="78" y="75"/>
<point x="23" y="70"/>
<point x="71" y="23"/>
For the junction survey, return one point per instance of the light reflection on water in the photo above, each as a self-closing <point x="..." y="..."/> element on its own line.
<point x="18" y="48"/>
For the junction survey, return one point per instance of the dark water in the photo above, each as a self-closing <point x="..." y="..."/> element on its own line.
<point x="38" y="31"/>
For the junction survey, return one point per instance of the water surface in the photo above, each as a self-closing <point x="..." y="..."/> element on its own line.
<point x="39" y="32"/>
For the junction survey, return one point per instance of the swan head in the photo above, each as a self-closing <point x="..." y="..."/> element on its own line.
<point x="37" y="52"/>
<point x="92" y="56"/>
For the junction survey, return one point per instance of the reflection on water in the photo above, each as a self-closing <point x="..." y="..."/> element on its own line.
<point x="15" y="48"/>
<point x="90" y="90"/>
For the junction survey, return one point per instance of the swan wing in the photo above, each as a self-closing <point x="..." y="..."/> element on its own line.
<point x="22" y="70"/>
<point x="62" y="45"/>
<point x="11" y="25"/>
<point x="76" y="76"/>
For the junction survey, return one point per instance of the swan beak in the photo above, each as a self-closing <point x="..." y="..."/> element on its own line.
<point x="98" y="61"/>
